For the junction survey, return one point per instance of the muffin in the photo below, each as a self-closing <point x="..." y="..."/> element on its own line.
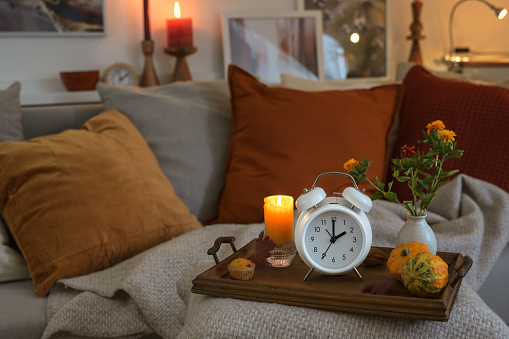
<point x="241" y="269"/>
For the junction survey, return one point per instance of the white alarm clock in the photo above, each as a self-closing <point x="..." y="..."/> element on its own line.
<point x="332" y="234"/>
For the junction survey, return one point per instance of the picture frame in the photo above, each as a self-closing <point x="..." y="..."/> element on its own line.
<point x="52" y="18"/>
<point x="267" y="44"/>
<point x="369" y="56"/>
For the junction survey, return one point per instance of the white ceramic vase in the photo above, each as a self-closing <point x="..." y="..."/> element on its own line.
<point x="417" y="229"/>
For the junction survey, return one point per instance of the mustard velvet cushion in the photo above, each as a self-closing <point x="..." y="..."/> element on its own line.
<point x="84" y="200"/>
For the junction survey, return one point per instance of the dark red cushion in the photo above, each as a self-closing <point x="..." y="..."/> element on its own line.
<point x="478" y="114"/>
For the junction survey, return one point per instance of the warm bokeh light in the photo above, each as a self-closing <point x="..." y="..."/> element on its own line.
<point x="176" y="9"/>
<point x="354" y="38"/>
<point x="502" y="14"/>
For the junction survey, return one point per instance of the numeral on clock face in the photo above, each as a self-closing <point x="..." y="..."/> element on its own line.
<point x="333" y="239"/>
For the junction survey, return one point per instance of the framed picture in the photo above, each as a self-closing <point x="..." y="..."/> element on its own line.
<point x="354" y="37"/>
<point x="268" y="44"/>
<point x="52" y="18"/>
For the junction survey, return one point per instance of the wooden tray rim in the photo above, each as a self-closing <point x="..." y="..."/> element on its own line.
<point x="213" y="282"/>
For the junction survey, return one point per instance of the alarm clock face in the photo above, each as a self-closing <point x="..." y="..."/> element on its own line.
<point x="334" y="239"/>
<point x="120" y="75"/>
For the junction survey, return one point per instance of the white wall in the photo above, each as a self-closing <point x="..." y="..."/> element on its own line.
<point x="36" y="61"/>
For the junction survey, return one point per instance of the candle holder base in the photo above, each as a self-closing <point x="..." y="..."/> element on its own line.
<point x="282" y="255"/>
<point x="181" y="71"/>
<point x="149" y="77"/>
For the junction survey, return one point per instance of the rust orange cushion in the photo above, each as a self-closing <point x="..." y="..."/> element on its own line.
<point x="284" y="138"/>
<point x="83" y="200"/>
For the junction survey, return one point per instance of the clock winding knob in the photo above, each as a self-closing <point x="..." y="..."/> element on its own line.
<point x="358" y="199"/>
<point x="310" y="199"/>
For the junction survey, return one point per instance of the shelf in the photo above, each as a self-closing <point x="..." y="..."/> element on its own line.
<point x="55" y="98"/>
<point x="484" y="63"/>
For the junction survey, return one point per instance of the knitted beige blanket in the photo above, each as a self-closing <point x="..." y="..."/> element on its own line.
<point x="150" y="294"/>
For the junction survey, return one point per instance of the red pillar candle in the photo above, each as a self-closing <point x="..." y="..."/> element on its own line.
<point x="180" y="31"/>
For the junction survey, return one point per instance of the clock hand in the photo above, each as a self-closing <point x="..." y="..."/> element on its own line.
<point x="328" y="233"/>
<point x="333" y="226"/>
<point x="332" y="241"/>
<point x="338" y="236"/>
<point x="124" y="75"/>
<point x="325" y="253"/>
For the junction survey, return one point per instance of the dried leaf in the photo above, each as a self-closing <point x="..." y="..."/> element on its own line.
<point x="380" y="287"/>
<point x="262" y="251"/>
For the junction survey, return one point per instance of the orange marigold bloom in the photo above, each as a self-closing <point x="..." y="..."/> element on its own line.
<point x="435" y="125"/>
<point x="447" y="135"/>
<point x="408" y="151"/>
<point x="350" y="164"/>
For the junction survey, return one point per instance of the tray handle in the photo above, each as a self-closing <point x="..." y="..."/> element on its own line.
<point x="462" y="270"/>
<point x="217" y="244"/>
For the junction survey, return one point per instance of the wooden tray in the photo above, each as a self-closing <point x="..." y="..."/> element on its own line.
<point x="336" y="293"/>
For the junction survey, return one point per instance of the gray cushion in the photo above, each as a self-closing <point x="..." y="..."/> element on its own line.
<point x="10" y="114"/>
<point x="188" y="127"/>
<point x="46" y="120"/>
<point x="12" y="264"/>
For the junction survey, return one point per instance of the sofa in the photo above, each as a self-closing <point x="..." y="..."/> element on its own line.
<point x="108" y="209"/>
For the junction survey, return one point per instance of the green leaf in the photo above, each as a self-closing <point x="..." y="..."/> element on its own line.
<point x="379" y="184"/>
<point x="453" y="155"/>
<point x="403" y="179"/>
<point x="377" y="195"/>
<point x="432" y="152"/>
<point x="424" y="184"/>
<point x="448" y="174"/>
<point x="391" y="196"/>
<point x="409" y="204"/>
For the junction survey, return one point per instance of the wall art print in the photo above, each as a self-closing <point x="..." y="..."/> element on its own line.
<point x="272" y="43"/>
<point x="354" y="37"/>
<point x="52" y="17"/>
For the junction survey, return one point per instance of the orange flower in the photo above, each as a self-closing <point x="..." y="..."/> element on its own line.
<point x="435" y="125"/>
<point x="350" y="164"/>
<point x="408" y="152"/>
<point x="447" y="135"/>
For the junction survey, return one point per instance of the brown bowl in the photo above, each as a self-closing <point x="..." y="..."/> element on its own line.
<point x="80" y="81"/>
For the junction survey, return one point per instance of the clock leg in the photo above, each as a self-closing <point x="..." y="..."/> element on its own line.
<point x="308" y="274"/>
<point x="357" y="273"/>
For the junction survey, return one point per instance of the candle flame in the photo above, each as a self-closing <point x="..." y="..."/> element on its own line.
<point x="279" y="201"/>
<point x="176" y="9"/>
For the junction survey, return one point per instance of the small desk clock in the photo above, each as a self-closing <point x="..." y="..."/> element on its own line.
<point x="332" y="234"/>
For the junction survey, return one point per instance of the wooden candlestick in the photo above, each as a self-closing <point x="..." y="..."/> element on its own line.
<point x="416" y="28"/>
<point x="181" y="71"/>
<point x="149" y="77"/>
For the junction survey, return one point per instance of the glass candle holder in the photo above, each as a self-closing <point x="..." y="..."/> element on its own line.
<point x="279" y="226"/>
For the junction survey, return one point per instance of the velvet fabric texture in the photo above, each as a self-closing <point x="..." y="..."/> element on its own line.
<point x="284" y="138"/>
<point x="84" y="200"/>
<point x="477" y="114"/>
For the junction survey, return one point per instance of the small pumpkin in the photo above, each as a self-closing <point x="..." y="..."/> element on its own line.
<point x="401" y="254"/>
<point x="425" y="275"/>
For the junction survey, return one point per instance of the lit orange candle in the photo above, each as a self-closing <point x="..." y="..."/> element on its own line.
<point x="278" y="212"/>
